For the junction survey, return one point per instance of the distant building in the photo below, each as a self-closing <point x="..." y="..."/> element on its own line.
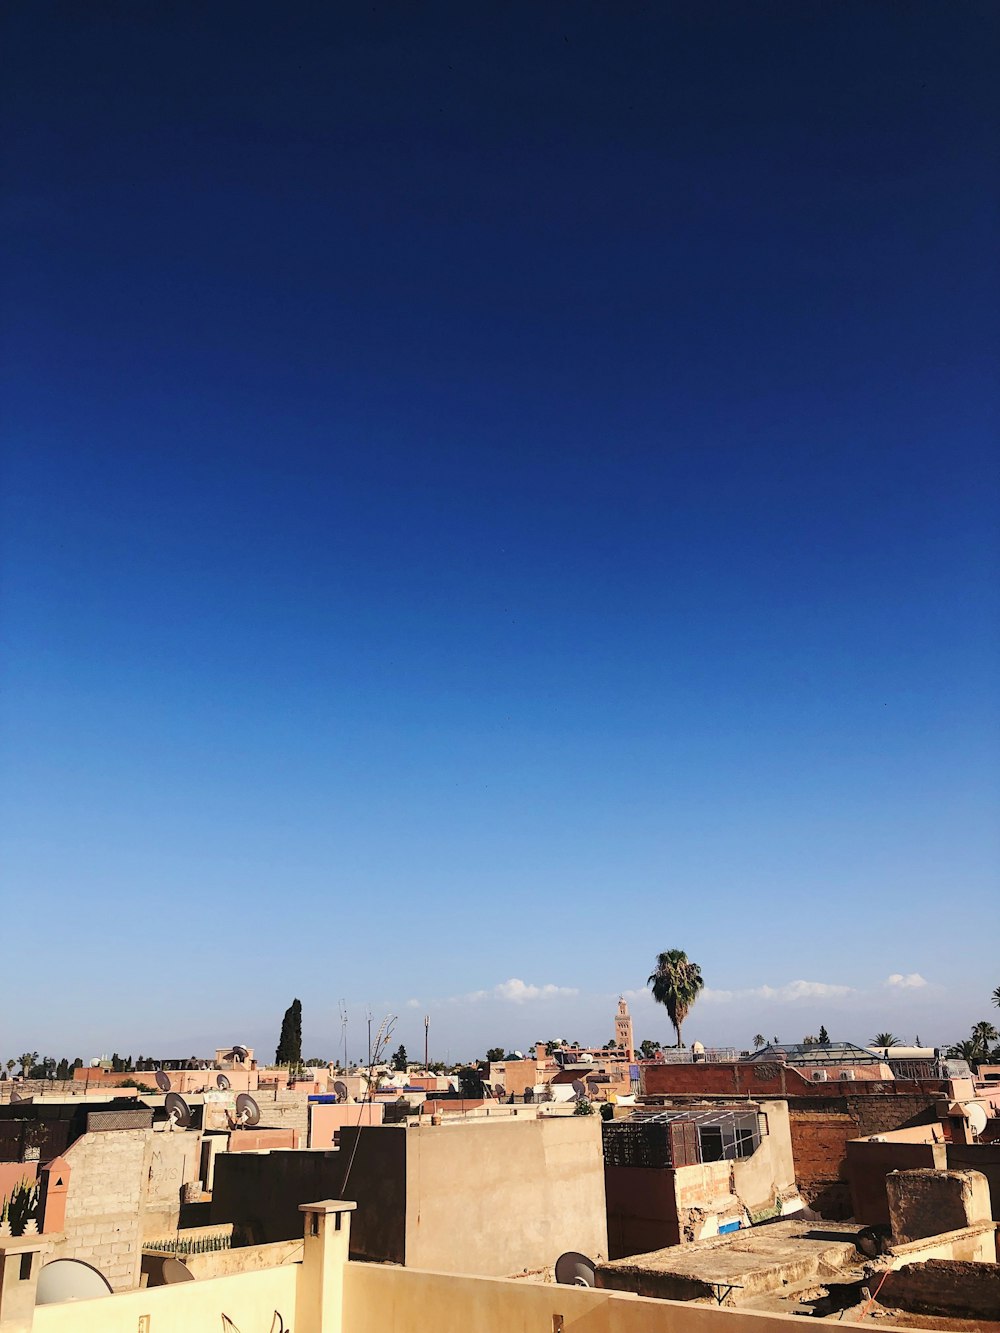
<point x="623" y="1029"/>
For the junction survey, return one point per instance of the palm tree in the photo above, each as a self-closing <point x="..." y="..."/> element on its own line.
<point x="884" y="1039"/>
<point x="27" y="1062"/>
<point x="759" y="1041"/>
<point x="983" y="1033"/>
<point x="967" y="1051"/>
<point x="675" y="982"/>
<point x="996" y="997"/>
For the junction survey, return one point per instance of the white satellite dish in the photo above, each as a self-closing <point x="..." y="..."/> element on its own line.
<point x="176" y="1270"/>
<point x="70" y="1280"/>
<point x="976" y="1115"/>
<point x="518" y="1055"/>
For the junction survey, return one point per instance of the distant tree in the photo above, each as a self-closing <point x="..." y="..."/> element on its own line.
<point x="494" y="1054"/>
<point x="824" y="1036"/>
<point x="966" y="1050"/>
<point x="916" y="1041"/>
<point x="583" y="1107"/>
<point x="26" y="1061"/>
<point x="10" y="1067"/>
<point x="399" y="1060"/>
<point x="316" y="1061"/>
<point x="775" y="1041"/>
<point x="810" y="1041"/>
<point x="884" y="1039"/>
<point x="996" y="997"/>
<point x="648" y="1049"/>
<point x="62" y="1069"/>
<point x="117" y="1066"/>
<point x="983" y="1033"/>
<point x="289" y="1050"/>
<point x="759" y="1041"/>
<point x="78" y="1063"/>
<point x="675" y="982"/>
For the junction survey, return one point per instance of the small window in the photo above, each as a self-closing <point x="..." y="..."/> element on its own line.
<point x="25" y="1267"/>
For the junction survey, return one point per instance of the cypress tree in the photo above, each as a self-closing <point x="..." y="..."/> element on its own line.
<point x="289" y="1050"/>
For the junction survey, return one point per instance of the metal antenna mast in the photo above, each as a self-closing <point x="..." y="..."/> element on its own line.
<point x="343" y="1029"/>
<point x="427" y="1024"/>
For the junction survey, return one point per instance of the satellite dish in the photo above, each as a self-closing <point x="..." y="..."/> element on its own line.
<point x="222" y="1083"/>
<point x="340" y="1088"/>
<point x="518" y="1055"/>
<point x="70" y="1280"/>
<point x="247" y="1111"/>
<point x="697" y="1048"/>
<point x="178" y="1111"/>
<point x="579" y="1088"/>
<point x="576" y="1270"/>
<point x="976" y="1115"/>
<point x="237" y="1055"/>
<point x="162" y="1080"/>
<point x="175" y="1270"/>
<point x="15" y="1096"/>
<point x="585" y="1058"/>
<point x="500" y="1090"/>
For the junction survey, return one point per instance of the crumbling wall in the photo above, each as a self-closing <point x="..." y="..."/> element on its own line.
<point x="944" y="1287"/>
<point x="927" y="1203"/>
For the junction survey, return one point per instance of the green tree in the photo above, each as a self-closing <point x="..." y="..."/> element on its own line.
<point x="824" y="1036"/>
<point x="494" y="1054"/>
<point x="967" y="1051"/>
<point x="996" y="997"/>
<point x="62" y="1069"/>
<point x="675" y="983"/>
<point x="289" y="1051"/>
<point x="399" y="1059"/>
<point x="27" y="1062"/>
<point x="983" y="1033"/>
<point x="884" y="1039"/>
<point x="759" y="1041"/>
<point x="648" y="1049"/>
<point x="470" y="1083"/>
<point x="583" y="1107"/>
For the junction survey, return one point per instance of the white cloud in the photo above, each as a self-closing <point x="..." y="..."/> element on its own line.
<point x="789" y="993"/>
<point x="516" y="991"/>
<point x="907" y="981"/>
<point x="413" y="1004"/>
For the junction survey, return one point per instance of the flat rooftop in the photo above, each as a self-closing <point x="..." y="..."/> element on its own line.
<point x="751" y="1262"/>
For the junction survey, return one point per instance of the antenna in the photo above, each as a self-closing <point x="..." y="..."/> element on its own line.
<point x="70" y="1280"/>
<point x="162" y="1080"/>
<point x="247" y="1111"/>
<point x="427" y="1028"/>
<point x="178" y="1111"/>
<point x="343" y="1029"/>
<point x="222" y="1082"/>
<point x="340" y="1088"/>
<point x="175" y="1270"/>
<point x="576" y="1270"/>
<point x="368" y="1020"/>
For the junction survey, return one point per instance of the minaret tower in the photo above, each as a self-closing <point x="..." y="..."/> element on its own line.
<point x="623" y="1029"/>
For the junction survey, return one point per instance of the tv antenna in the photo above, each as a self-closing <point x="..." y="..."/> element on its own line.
<point x="343" y="1029"/>
<point x="368" y="1020"/>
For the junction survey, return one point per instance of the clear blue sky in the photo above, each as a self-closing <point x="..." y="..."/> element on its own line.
<point x="490" y="492"/>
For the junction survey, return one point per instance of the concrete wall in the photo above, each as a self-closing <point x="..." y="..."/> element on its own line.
<point x="868" y="1164"/>
<point x="926" y="1202"/>
<point x="394" y="1300"/>
<point x="261" y="1192"/>
<point x="225" y="1263"/>
<point x="983" y="1157"/>
<point x="752" y="1079"/>
<point x="326" y="1121"/>
<point x="105" y="1204"/>
<point x="503" y="1196"/>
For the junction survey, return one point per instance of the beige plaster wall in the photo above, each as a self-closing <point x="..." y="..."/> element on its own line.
<point x="500" y="1196"/>
<point x="393" y="1300"/>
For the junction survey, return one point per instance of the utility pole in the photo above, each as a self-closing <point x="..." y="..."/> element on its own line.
<point x="368" y="1016"/>
<point x="427" y="1024"/>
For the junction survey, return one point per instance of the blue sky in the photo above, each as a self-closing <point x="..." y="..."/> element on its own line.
<point x="490" y="493"/>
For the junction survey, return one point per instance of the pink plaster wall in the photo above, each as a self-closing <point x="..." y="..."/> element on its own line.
<point x="326" y="1120"/>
